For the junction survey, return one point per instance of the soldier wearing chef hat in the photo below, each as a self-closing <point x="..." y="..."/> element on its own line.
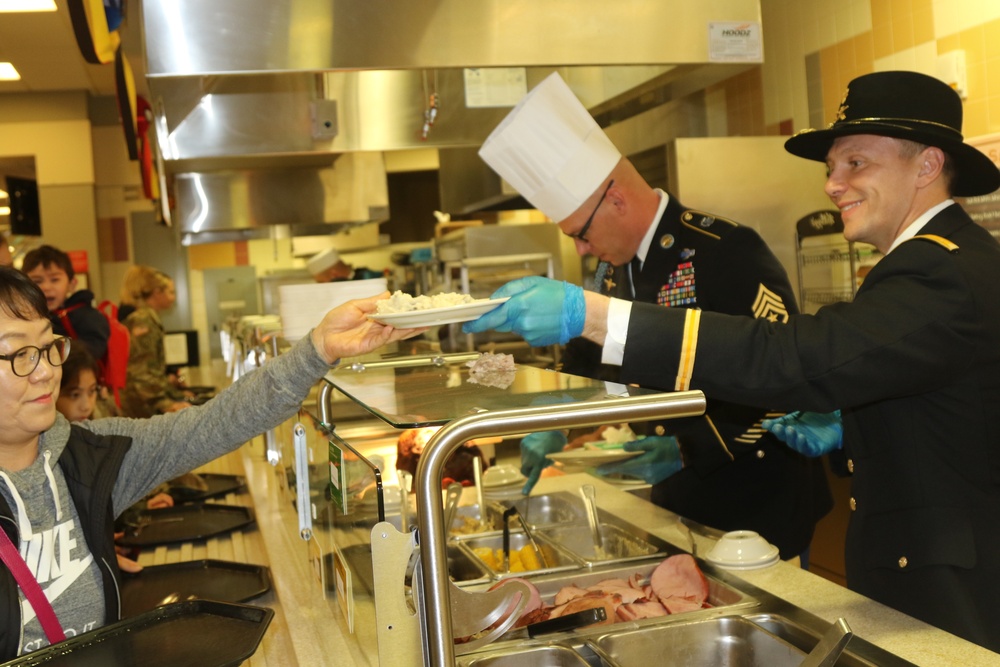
<point x="910" y="366"/>
<point x="722" y="469"/>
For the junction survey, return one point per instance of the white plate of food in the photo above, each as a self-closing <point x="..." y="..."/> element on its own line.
<point x="588" y="458"/>
<point x="503" y="476"/>
<point x="431" y="317"/>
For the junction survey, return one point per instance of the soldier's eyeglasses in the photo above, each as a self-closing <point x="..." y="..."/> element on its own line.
<point x="581" y="235"/>
<point x="24" y="361"/>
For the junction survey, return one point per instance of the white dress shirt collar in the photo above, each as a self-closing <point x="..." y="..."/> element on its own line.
<point x="647" y="240"/>
<point x="914" y="227"/>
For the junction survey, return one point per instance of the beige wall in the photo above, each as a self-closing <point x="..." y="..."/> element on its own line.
<point x="860" y="36"/>
<point x="118" y="194"/>
<point x="83" y="172"/>
<point x="55" y="130"/>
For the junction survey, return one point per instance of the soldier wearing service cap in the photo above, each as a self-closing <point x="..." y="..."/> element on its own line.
<point x="722" y="469"/>
<point x="912" y="363"/>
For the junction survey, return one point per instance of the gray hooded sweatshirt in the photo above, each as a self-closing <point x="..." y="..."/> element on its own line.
<point x="163" y="447"/>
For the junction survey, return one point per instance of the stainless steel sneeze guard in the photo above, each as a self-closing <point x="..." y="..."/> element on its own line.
<point x="430" y="514"/>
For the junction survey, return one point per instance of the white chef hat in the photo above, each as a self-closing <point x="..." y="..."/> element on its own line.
<point x="323" y="261"/>
<point x="551" y="150"/>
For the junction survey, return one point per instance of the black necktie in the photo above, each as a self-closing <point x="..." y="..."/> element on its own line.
<point x="635" y="266"/>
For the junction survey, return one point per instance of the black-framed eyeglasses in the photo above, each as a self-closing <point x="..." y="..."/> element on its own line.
<point x="581" y="235"/>
<point x="24" y="361"/>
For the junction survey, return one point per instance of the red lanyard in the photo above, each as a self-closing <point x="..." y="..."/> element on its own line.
<point x="43" y="610"/>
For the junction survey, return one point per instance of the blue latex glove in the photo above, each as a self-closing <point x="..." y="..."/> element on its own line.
<point x="534" y="447"/>
<point x="542" y="311"/>
<point x="661" y="459"/>
<point x="810" y="433"/>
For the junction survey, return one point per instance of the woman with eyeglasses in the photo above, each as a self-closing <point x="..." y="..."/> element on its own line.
<point x="62" y="484"/>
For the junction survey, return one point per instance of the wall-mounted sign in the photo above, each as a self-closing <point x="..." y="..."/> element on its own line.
<point x="735" y="41"/>
<point x="495" y="86"/>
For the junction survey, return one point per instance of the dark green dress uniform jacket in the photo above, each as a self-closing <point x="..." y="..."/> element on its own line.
<point x="736" y="475"/>
<point x="914" y="362"/>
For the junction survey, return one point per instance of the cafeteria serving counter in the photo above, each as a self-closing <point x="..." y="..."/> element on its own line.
<point x="310" y="628"/>
<point x="316" y="624"/>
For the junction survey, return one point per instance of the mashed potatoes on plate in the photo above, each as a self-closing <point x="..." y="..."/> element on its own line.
<point x="400" y="302"/>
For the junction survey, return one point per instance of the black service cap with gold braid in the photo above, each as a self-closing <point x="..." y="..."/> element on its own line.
<point x="905" y="105"/>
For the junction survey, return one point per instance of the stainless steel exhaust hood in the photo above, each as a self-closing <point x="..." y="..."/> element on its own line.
<point x="351" y="191"/>
<point x="240" y="86"/>
<point x="198" y="38"/>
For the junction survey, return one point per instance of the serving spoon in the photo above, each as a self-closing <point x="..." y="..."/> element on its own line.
<point x="589" y="494"/>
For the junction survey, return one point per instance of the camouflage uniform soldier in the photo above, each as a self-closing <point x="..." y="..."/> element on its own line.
<point x="148" y="390"/>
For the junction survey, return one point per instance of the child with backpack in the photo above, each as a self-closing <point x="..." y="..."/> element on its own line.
<point x="71" y="311"/>
<point x="72" y="314"/>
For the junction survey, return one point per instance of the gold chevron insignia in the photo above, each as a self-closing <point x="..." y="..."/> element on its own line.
<point x="769" y="306"/>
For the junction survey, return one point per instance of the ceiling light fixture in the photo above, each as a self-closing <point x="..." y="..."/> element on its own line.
<point x="8" y="73"/>
<point x="27" y="5"/>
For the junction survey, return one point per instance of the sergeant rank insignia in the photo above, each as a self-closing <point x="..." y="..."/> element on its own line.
<point x="769" y="306"/>
<point x="680" y="287"/>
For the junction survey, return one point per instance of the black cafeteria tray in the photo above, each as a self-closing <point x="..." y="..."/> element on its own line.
<point x="225" y="581"/>
<point x="200" y="395"/>
<point x="196" y="633"/>
<point x="217" y="483"/>
<point x="184" y="523"/>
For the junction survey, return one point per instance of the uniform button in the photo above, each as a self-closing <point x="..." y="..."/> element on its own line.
<point x="760" y="453"/>
<point x="659" y="429"/>
<point x="854" y="504"/>
<point x="903" y="562"/>
<point x="850" y="465"/>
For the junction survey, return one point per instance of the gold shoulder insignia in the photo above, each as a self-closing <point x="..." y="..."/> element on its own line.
<point x="940" y="240"/>
<point x="707" y="224"/>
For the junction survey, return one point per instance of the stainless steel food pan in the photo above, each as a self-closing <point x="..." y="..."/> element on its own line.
<point x="547" y="510"/>
<point x="556" y="559"/>
<point x="729" y="641"/>
<point x="618" y="544"/>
